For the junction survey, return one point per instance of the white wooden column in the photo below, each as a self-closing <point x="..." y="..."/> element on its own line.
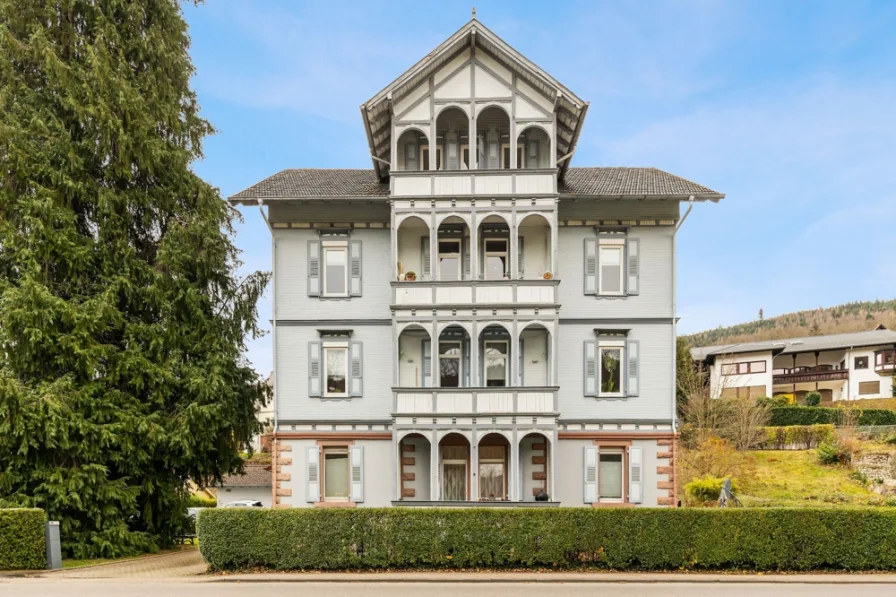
<point x="474" y="247"/>
<point x="434" y="492"/>
<point x="514" y="247"/>
<point x="474" y="354"/>
<point x="514" y="356"/>
<point x="554" y="234"/>
<point x="434" y="355"/>
<point x="433" y="245"/>
<point x="474" y="465"/>
<point x="515" y="473"/>
<point x="551" y="469"/>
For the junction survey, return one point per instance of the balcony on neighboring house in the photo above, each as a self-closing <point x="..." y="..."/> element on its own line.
<point x="809" y="374"/>
<point x="885" y="361"/>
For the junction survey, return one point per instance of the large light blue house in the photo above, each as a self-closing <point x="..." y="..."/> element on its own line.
<point x="474" y="321"/>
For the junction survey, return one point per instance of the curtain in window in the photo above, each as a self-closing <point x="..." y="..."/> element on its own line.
<point x="454" y="483"/>
<point x="491" y="481"/>
<point x="336" y="475"/>
<point x="609" y="476"/>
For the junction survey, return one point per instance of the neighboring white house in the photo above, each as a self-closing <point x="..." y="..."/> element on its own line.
<point x="473" y="321"/>
<point x="255" y="484"/>
<point x="839" y="367"/>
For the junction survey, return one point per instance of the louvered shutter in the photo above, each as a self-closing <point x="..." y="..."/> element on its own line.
<point x="314" y="369"/>
<point x="453" y="157"/>
<point x="481" y="161"/>
<point x="427" y="364"/>
<point x="590" y="265"/>
<point x="634" y="269"/>
<point x="519" y="258"/>
<point x="357" y="351"/>
<point x="635" y="473"/>
<point x="356" y="456"/>
<point x="590" y="353"/>
<point x="313" y="268"/>
<point x="532" y="160"/>
<point x="466" y="358"/>
<point x="312" y="486"/>
<point x="590" y="474"/>
<point x="425" y="258"/>
<point x="520" y="362"/>
<point x="355" y="272"/>
<point x="493" y="155"/>
<point x="632" y="349"/>
<point x="410" y="157"/>
<point x="466" y="257"/>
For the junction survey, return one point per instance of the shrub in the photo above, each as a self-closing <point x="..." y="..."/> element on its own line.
<point x="706" y="489"/>
<point x="196" y="501"/>
<point x="839" y="451"/>
<point x="782" y="416"/>
<point x="806" y="436"/>
<point x="563" y="538"/>
<point x="22" y="544"/>
<point x="813" y="399"/>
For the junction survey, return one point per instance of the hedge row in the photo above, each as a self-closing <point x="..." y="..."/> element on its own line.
<point x="22" y="543"/>
<point x="803" y="437"/>
<point x="813" y="415"/>
<point x="562" y="538"/>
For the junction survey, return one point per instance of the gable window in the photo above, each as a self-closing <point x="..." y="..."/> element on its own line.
<point x="612" y="265"/>
<point x="335" y="370"/>
<point x="861" y="363"/>
<point x="495" y="363"/>
<point x="450" y="367"/>
<point x="335" y="269"/>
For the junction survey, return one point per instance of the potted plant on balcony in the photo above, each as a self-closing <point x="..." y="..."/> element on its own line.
<point x="410" y="276"/>
<point x="548" y="275"/>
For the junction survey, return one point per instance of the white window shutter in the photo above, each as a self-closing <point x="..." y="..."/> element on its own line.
<point x="532" y="160"/>
<point x="634" y="265"/>
<point x="590" y="367"/>
<point x="590" y="479"/>
<point x="313" y="268"/>
<point x="635" y="473"/>
<point x="355" y="269"/>
<point x="427" y="364"/>
<point x="312" y="492"/>
<point x="357" y="473"/>
<point x="521" y="360"/>
<point x="410" y="157"/>
<point x="425" y="259"/>
<point x="633" y="366"/>
<point x="466" y="257"/>
<point x="314" y="369"/>
<point x="590" y="265"/>
<point x="357" y="373"/>
<point x="519" y="258"/>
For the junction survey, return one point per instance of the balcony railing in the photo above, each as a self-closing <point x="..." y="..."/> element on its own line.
<point x="809" y="374"/>
<point x="885" y="361"/>
<point x="459" y="183"/>
<point x="476" y="401"/>
<point x="427" y="293"/>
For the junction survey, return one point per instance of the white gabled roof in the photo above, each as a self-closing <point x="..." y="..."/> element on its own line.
<point x="877" y="337"/>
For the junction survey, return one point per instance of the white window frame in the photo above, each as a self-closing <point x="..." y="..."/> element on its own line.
<point x="601" y="451"/>
<point x="486" y="254"/>
<point x="328" y="246"/>
<point x="459" y="359"/>
<point x="324" y="450"/>
<point x="325" y="348"/>
<point x="459" y="255"/>
<point x="610" y="345"/>
<point x="505" y="355"/>
<point x="611" y="244"/>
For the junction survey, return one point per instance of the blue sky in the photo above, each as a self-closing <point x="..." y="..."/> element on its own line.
<point x="787" y="107"/>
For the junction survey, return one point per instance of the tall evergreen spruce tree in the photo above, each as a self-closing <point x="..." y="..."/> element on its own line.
<point x="122" y="320"/>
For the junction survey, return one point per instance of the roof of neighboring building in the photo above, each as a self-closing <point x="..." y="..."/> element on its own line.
<point x="341" y="183"/>
<point x="877" y="337"/>
<point x="257" y="475"/>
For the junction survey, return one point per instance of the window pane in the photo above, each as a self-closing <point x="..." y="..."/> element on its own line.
<point x="449" y="348"/>
<point x="496" y="246"/>
<point x="610" y="370"/>
<point x="495" y="267"/>
<point x="609" y="476"/>
<point x="610" y="269"/>
<point x="729" y="369"/>
<point x="743" y="368"/>
<point x="335" y="370"/>
<point x="495" y="371"/>
<point x="449" y="246"/>
<point x="334" y="260"/>
<point x="449" y="372"/>
<point x="491" y="481"/>
<point x="335" y="475"/>
<point x="757" y="367"/>
<point x="455" y="482"/>
<point x="449" y="268"/>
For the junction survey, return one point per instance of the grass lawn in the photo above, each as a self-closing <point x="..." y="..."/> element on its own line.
<point x="795" y="478"/>
<point x="66" y="563"/>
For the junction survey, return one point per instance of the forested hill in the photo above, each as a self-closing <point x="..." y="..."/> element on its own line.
<point x="849" y="317"/>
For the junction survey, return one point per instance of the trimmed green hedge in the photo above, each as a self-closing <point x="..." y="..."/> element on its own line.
<point x="623" y="538"/>
<point x="22" y="543"/>
<point x="196" y="501"/>
<point x="783" y="416"/>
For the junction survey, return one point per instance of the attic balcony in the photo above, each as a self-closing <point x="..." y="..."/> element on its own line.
<point x="472" y="183"/>
<point x="480" y="402"/>
<point x="817" y="373"/>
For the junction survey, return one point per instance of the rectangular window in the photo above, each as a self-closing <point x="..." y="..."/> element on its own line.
<point x="861" y="363"/>
<point x="885" y="359"/>
<point x="743" y="368"/>
<point x="610" y="260"/>
<point x="744" y="392"/>
<point x="496" y="261"/>
<point x="496" y="364"/>
<point x="610" y="475"/>
<point x="610" y="371"/>
<point x="336" y="474"/>
<point x="336" y="367"/>
<point x="449" y="260"/>
<point x="424" y="156"/>
<point x="450" y="364"/>
<point x="869" y="388"/>
<point x="335" y="269"/>
<point x="492" y="473"/>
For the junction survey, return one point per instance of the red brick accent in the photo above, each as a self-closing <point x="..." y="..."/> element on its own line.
<point x="666" y="501"/>
<point x="664" y="454"/>
<point x="539" y="476"/>
<point x="408" y="448"/>
<point x="280" y="506"/>
<point x="538" y="460"/>
<point x="408" y="460"/>
<point x="540" y="446"/>
<point x="665" y="470"/>
<point x="284" y="461"/>
<point x="408" y="476"/>
<point x="287" y="492"/>
<point x="664" y="442"/>
<point x="285" y="447"/>
<point x="665" y="485"/>
<point x="408" y="493"/>
<point x="283" y="476"/>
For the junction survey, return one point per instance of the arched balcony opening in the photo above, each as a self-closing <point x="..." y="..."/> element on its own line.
<point x="494" y="248"/>
<point x="536" y="356"/>
<point x="453" y="358"/>
<point x="453" y="246"/>
<point x="535" y="473"/>
<point x="414" y="462"/>
<point x="534" y="249"/>
<point x="493" y="139"/>
<point x="533" y="147"/>
<point x="413" y="249"/>
<point x="452" y="141"/>
<point x="454" y="468"/>
<point x="495" y="346"/>
<point x="494" y="468"/>
<point x="414" y="362"/>
<point x="413" y="151"/>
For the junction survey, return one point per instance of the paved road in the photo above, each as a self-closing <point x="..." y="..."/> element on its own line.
<point x="52" y="587"/>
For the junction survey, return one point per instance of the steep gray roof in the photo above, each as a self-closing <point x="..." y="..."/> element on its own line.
<point x="797" y="345"/>
<point x="257" y="475"/>
<point x="341" y="183"/>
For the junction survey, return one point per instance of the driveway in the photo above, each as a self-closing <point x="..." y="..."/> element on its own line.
<point x="181" y="564"/>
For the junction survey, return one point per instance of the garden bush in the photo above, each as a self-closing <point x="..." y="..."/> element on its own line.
<point x="196" y="501"/>
<point x="561" y="538"/>
<point x="706" y="489"/>
<point x="813" y="399"/>
<point x="803" y="436"/>
<point x="782" y="416"/>
<point x="22" y="544"/>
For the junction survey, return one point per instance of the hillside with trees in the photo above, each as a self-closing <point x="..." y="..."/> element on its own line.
<point x="849" y="317"/>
